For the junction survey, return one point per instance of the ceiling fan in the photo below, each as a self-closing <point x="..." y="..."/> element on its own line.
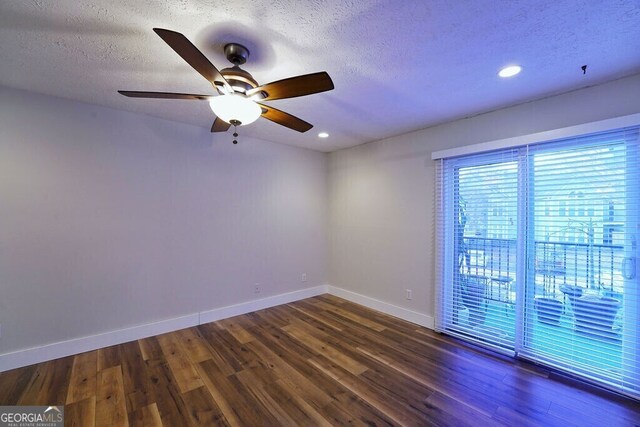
<point x="237" y="102"/>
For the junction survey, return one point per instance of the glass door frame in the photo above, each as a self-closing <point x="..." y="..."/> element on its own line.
<point x="631" y="302"/>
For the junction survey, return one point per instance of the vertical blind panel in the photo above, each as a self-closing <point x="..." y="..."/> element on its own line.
<point x="567" y="214"/>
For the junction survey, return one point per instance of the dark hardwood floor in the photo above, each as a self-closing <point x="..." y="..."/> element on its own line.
<point x="320" y="361"/>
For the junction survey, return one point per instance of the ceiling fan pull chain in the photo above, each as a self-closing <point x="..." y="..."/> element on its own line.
<point x="235" y="134"/>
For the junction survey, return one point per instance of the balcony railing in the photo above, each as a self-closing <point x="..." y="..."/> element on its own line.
<point x="594" y="268"/>
<point x="577" y="297"/>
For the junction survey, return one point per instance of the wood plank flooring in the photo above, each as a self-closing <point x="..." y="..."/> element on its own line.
<point x="321" y="361"/>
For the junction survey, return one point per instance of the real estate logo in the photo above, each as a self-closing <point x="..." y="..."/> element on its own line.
<point x="31" y="416"/>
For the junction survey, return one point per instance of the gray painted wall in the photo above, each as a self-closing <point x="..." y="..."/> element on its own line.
<point x="381" y="195"/>
<point x="110" y="219"/>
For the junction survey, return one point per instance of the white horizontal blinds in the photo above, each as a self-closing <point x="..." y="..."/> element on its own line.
<point x="481" y="198"/>
<point x="538" y="252"/>
<point x="583" y="198"/>
<point x="442" y="237"/>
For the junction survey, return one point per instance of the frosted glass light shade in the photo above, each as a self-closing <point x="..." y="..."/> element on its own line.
<point x="235" y="107"/>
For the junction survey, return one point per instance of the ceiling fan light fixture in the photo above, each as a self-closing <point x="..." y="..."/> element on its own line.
<point x="235" y="107"/>
<point x="509" y="71"/>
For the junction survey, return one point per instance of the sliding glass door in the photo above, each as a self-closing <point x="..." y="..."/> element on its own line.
<point x="483" y="202"/>
<point x="538" y="254"/>
<point x="581" y="222"/>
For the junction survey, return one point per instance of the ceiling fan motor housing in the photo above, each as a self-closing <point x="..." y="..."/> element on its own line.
<point x="239" y="79"/>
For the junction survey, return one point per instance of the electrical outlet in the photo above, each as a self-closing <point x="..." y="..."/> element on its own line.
<point x="303" y="277"/>
<point x="409" y="294"/>
<point x="257" y="288"/>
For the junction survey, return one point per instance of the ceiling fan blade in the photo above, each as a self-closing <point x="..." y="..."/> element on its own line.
<point x="295" y="86"/>
<point x="284" y="119"/>
<point x="192" y="55"/>
<point x="163" y="95"/>
<point x="220" y="125"/>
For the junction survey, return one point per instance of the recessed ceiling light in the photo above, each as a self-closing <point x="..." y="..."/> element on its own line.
<point x="510" y="71"/>
<point x="323" y="135"/>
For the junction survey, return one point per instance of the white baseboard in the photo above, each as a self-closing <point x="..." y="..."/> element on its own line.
<point x="248" y="307"/>
<point x="80" y="345"/>
<point x="385" y="307"/>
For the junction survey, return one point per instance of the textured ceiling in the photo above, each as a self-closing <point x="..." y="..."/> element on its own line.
<point x="397" y="65"/>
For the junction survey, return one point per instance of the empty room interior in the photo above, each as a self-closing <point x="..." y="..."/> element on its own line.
<point x="262" y="213"/>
